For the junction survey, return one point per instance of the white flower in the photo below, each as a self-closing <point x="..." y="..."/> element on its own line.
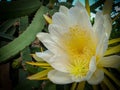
<point x="75" y="47"/>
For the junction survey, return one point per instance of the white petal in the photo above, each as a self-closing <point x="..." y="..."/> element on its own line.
<point x="79" y="79"/>
<point x="46" y="55"/>
<point x="107" y="24"/>
<point x="92" y="65"/>
<point x="48" y="42"/>
<point x="92" y="68"/>
<point x="64" y="9"/>
<point x="97" y="77"/>
<point x="80" y="5"/>
<point x="102" y="47"/>
<point x="102" y="25"/>
<point x="79" y="14"/>
<point x="99" y="19"/>
<point x="59" y="77"/>
<point x="98" y="25"/>
<point x="110" y="61"/>
<point x="56" y="32"/>
<point x="60" y="19"/>
<point x="59" y="62"/>
<point x="101" y="35"/>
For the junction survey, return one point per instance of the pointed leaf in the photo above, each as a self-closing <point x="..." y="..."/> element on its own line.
<point x="40" y="64"/>
<point x="113" y="50"/>
<point x="112" y="41"/>
<point x="36" y="58"/>
<point x="39" y="75"/>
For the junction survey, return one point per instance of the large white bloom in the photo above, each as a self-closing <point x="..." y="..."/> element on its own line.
<point x="75" y="47"/>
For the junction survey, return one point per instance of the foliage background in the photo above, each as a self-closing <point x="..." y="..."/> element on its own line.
<point x="20" y="21"/>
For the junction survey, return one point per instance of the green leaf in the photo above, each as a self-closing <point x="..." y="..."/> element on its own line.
<point x="24" y="22"/>
<point x="25" y="38"/>
<point x="18" y="8"/>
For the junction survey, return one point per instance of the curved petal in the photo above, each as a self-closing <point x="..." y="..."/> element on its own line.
<point x="64" y="9"/>
<point x="102" y="47"/>
<point x="92" y="65"/>
<point x="59" y="77"/>
<point x="101" y="35"/>
<point x="59" y="62"/>
<point x="102" y="38"/>
<point x="80" y="5"/>
<point x="56" y="32"/>
<point x="46" y="55"/>
<point x="79" y="79"/>
<point x="98" y="25"/>
<point x="97" y="77"/>
<point x="45" y="38"/>
<point x="107" y="24"/>
<point x="92" y="68"/>
<point x="110" y="61"/>
<point x="60" y="19"/>
<point x="80" y="17"/>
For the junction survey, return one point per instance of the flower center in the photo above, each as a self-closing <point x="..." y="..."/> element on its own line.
<point x="80" y="47"/>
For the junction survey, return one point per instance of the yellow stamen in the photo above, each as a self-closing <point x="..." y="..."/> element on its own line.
<point x="80" y="47"/>
<point x="111" y="76"/>
<point x="48" y="19"/>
